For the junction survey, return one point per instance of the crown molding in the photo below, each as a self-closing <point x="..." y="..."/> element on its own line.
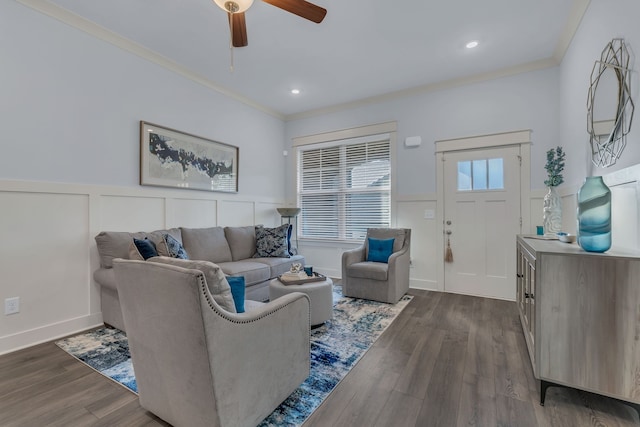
<point x="99" y="32"/>
<point x="578" y="9"/>
<point x="432" y="87"/>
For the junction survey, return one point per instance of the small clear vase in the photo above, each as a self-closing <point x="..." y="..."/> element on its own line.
<point x="594" y="215"/>
<point x="552" y="212"/>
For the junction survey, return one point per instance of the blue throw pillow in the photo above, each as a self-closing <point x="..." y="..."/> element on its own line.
<point x="146" y="248"/>
<point x="289" y="248"/>
<point x="237" y="291"/>
<point x="380" y="249"/>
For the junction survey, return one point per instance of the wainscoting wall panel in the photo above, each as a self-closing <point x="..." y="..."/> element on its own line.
<point x="132" y="213"/>
<point x="236" y="213"/>
<point x="410" y="213"/>
<point x="44" y="260"/>
<point x="49" y="254"/>
<point x="267" y="215"/>
<point x="192" y="213"/>
<point x="625" y="207"/>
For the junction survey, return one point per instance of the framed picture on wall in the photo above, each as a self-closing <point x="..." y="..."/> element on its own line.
<point x="169" y="158"/>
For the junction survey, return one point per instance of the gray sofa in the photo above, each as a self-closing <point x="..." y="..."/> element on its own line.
<point x="232" y="248"/>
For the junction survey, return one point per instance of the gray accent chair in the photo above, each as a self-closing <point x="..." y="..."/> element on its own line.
<point x="197" y="364"/>
<point x="376" y="280"/>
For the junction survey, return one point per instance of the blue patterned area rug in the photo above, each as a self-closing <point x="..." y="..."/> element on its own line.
<point x="335" y="348"/>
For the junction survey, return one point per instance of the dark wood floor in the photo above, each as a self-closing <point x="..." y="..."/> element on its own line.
<point x="447" y="360"/>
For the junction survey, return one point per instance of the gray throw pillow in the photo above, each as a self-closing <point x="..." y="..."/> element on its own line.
<point x="216" y="280"/>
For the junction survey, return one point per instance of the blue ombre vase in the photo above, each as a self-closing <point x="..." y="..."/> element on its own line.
<point x="594" y="215"/>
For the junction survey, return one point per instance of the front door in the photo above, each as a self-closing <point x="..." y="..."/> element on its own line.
<point x="481" y="219"/>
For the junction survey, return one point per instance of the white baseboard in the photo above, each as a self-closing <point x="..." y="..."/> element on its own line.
<point x="425" y="285"/>
<point x="24" y="339"/>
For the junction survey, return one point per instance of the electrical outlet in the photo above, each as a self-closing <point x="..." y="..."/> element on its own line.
<point x="12" y="305"/>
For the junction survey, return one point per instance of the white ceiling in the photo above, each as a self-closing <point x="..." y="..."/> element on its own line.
<point x="363" y="48"/>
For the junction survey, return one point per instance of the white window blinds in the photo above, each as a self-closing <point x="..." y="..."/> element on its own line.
<point x="344" y="187"/>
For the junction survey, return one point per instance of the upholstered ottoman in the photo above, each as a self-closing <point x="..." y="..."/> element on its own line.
<point x="320" y="294"/>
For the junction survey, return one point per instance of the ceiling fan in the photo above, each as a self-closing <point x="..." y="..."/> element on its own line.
<point x="238" y="26"/>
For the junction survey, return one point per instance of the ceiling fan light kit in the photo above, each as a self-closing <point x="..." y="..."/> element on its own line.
<point x="236" y="6"/>
<point x="237" y="23"/>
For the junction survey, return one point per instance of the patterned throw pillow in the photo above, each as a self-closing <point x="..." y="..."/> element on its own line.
<point x="273" y="242"/>
<point x="174" y="247"/>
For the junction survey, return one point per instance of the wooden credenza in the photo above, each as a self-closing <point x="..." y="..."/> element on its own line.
<point x="580" y="313"/>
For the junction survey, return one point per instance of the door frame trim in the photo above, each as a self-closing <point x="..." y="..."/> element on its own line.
<point x="496" y="140"/>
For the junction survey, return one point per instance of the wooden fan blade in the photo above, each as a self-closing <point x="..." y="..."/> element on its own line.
<point x="301" y="8"/>
<point x="239" y="29"/>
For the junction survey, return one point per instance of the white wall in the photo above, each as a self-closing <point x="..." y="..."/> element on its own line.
<point x="525" y="101"/>
<point x="69" y="112"/>
<point x="70" y="107"/>
<point x="551" y="102"/>
<point x="603" y="21"/>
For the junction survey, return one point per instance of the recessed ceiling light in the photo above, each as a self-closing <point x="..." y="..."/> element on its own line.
<point x="472" y="44"/>
<point x="295" y="91"/>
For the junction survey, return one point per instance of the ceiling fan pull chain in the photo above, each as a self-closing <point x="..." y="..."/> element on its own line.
<point x="231" y="58"/>
<point x="231" y="43"/>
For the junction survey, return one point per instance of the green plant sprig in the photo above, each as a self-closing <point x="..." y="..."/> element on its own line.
<point x="554" y="167"/>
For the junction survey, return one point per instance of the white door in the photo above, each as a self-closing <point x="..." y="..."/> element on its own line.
<point x="481" y="219"/>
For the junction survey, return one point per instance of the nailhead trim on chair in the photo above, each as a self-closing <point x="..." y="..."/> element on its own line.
<point x="214" y="306"/>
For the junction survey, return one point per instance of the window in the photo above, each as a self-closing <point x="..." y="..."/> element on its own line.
<point x="478" y="175"/>
<point x="344" y="187"/>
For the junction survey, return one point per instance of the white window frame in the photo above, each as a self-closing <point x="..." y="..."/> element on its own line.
<point x="337" y="138"/>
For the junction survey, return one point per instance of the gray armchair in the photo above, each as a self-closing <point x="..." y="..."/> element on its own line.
<point x="197" y="364"/>
<point x="376" y="280"/>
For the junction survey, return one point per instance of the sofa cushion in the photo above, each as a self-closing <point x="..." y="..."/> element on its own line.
<point x="253" y="272"/>
<point x="273" y="242"/>
<point x="216" y="280"/>
<point x="280" y="265"/>
<point x="242" y="241"/>
<point x="115" y="244"/>
<point x="368" y="270"/>
<point x="237" y="291"/>
<point x="207" y="244"/>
